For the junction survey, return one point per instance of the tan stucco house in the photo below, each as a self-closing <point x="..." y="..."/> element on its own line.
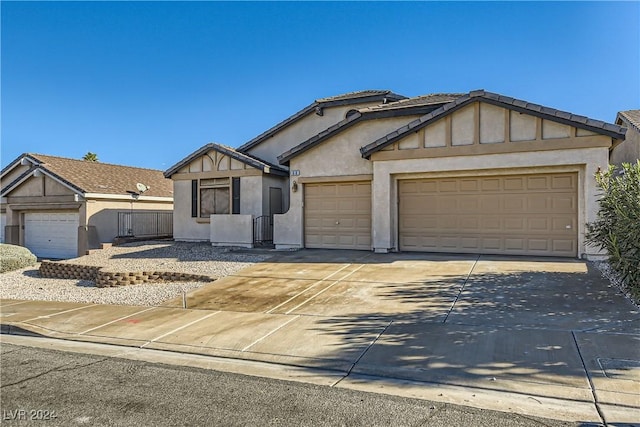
<point x="374" y="170"/>
<point x="59" y="207"/>
<point x="628" y="151"/>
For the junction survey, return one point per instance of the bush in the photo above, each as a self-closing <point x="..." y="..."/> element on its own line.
<point x="617" y="229"/>
<point x="14" y="257"/>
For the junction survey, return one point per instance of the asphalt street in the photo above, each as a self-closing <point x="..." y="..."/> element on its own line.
<point x="47" y="388"/>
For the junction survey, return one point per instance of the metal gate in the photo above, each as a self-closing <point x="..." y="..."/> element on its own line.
<point x="263" y="230"/>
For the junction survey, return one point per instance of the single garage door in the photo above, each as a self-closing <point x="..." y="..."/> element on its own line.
<point x="517" y="214"/>
<point x="338" y="215"/>
<point x="52" y="235"/>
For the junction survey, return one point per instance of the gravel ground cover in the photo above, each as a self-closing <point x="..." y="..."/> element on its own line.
<point x="197" y="258"/>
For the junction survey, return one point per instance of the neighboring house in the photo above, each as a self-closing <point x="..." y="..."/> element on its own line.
<point x="468" y="173"/>
<point x="60" y="208"/>
<point x="628" y="151"/>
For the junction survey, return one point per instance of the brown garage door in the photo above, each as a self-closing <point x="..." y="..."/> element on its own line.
<point x="338" y="215"/>
<point x="518" y="214"/>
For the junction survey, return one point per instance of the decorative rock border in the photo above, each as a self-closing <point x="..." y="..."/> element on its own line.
<point x="105" y="278"/>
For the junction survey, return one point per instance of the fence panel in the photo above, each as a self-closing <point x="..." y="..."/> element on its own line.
<point x="145" y="224"/>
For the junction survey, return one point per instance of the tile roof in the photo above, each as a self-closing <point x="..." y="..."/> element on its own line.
<point x="343" y="99"/>
<point x="631" y="116"/>
<point x="96" y="177"/>
<point x="552" y="114"/>
<point x="408" y="106"/>
<point x="245" y="158"/>
<point x="429" y="99"/>
<point x="360" y="94"/>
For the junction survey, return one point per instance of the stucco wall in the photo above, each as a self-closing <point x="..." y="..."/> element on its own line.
<point x="629" y="150"/>
<point x="251" y="195"/>
<point x="102" y="217"/>
<point x="335" y="157"/>
<point x="186" y="228"/>
<point x="302" y="130"/>
<point x="232" y="230"/>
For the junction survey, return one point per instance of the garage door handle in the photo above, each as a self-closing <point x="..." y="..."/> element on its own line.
<point x="337" y="222"/>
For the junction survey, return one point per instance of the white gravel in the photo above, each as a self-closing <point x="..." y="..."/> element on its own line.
<point x="195" y="258"/>
<point x="609" y="274"/>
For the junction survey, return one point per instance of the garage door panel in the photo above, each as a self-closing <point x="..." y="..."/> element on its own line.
<point x="343" y="213"/>
<point x="516" y="214"/>
<point x="516" y="183"/>
<point x="564" y="203"/>
<point x="491" y="184"/>
<point x="567" y="182"/>
<point x="469" y="185"/>
<point x="51" y="234"/>
<point x="516" y="244"/>
<point x="514" y="225"/>
<point x="565" y="245"/>
<point x="538" y="244"/>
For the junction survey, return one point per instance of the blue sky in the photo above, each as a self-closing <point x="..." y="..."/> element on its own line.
<point x="147" y="83"/>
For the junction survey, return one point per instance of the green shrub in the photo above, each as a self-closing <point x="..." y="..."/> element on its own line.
<point x="14" y="257"/>
<point x="617" y="229"/>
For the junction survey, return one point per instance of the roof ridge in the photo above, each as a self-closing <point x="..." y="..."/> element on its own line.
<point x="355" y="94"/>
<point x="36" y="155"/>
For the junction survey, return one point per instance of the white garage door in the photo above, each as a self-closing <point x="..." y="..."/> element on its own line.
<point x="52" y="235"/>
<point x="515" y="214"/>
<point x="338" y="215"/>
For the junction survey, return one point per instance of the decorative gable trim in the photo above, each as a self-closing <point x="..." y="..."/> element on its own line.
<point x="231" y="153"/>
<point x="562" y="117"/>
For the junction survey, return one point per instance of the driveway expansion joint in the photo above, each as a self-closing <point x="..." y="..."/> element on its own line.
<point x="590" y="380"/>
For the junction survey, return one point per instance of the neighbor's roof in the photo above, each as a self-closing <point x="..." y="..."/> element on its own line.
<point x="552" y="114"/>
<point x="92" y="177"/>
<point x="231" y="152"/>
<point x="631" y="116"/>
<point x="409" y="106"/>
<point x="344" y="99"/>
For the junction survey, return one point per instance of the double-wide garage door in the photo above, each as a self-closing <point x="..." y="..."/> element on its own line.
<point x="338" y="215"/>
<point x="517" y="214"/>
<point x="51" y="234"/>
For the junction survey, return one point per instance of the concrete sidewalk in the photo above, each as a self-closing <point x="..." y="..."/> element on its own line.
<point x="589" y="376"/>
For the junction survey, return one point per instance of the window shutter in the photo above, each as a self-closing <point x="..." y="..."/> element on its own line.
<point x="235" y="189"/>
<point x="194" y="198"/>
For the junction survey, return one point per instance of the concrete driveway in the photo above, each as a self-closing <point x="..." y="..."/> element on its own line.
<point x="528" y="335"/>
